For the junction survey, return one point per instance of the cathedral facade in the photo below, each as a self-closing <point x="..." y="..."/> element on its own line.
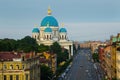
<point x="49" y="32"/>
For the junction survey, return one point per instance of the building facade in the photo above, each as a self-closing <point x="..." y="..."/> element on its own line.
<point x="50" y="32"/>
<point x="19" y="66"/>
<point x="115" y="42"/>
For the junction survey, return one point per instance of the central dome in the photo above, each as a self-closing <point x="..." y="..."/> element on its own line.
<point x="51" y="20"/>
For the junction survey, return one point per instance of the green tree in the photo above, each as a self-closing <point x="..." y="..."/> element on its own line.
<point x="95" y="57"/>
<point x="27" y="44"/>
<point x="43" y="48"/>
<point x="55" y="48"/>
<point x="46" y="73"/>
<point x="62" y="54"/>
<point x="7" y="44"/>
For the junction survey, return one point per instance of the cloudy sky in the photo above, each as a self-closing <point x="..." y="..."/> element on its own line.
<point x="83" y="19"/>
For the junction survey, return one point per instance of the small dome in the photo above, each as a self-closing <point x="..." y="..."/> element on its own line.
<point x="35" y="30"/>
<point x="51" y="20"/>
<point x="62" y="30"/>
<point x="48" y="29"/>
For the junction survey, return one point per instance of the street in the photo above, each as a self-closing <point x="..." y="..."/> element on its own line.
<point x="82" y="67"/>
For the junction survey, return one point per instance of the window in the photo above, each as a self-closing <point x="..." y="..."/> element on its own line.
<point x="23" y="58"/>
<point x="11" y="77"/>
<point x="26" y="76"/>
<point x="17" y="77"/>
<point x="62" y="37"/>
<point x="4" y="67"/>
<point x="17" y="66"/>
<point x="11" y="66"/>
<point x="23" y="67"/>
<point x="50" y="36"/>
<point x="5" y="77"/>
<point x="47" y="37"/>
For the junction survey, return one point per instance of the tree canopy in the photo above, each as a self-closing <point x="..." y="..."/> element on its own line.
<point x="26" y="44"/>
<point x="46" y="73"/>
<point x="61" y="55"/>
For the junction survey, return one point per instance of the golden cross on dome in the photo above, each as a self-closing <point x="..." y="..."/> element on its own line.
<point x="49" y="10"/>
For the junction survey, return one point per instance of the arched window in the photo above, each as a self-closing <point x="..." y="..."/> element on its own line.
<point x="11" y="66"/>
<point x="62" y="37"/>
<point x="23" y="66"/>
<point x="17" y="66"/>
<point x="65" y="37"/>
<point x="47" y="37"/>
<point x="50" y="36"/>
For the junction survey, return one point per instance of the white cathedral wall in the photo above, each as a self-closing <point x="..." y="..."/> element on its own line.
<point x="35" y="35"/>
<point x="55" y="31"/>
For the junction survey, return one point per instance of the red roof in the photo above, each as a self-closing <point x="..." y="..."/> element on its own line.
<point x="8" y="56"/>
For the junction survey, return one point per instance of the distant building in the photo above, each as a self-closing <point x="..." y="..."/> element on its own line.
<point x="85" y="45"/>
<point x="19" y="66"/>
<point x="50" y="32"/>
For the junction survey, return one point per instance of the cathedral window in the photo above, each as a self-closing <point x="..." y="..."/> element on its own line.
<point x="62" y="37"/>
<point x="47" y="37"/>
<point x="50" y="36"/>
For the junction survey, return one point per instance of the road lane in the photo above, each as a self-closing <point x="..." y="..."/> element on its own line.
<point x="82" y="68"/>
